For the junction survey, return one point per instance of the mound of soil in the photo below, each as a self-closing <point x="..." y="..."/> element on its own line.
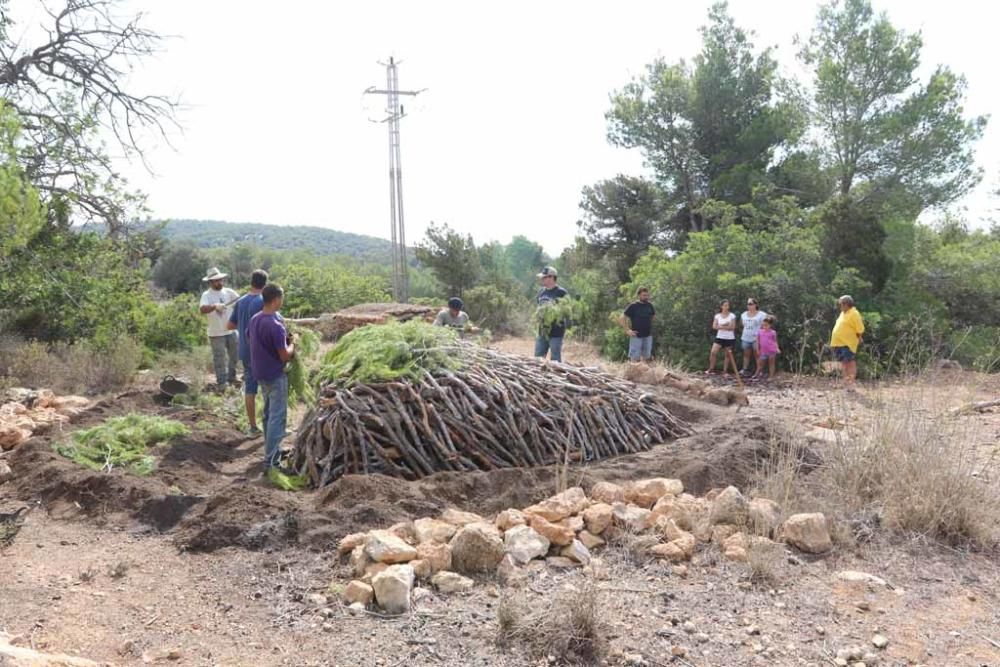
<point x="207" y="491"/>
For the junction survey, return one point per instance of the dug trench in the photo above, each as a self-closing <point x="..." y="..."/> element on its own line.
<point x="207" y="492"/>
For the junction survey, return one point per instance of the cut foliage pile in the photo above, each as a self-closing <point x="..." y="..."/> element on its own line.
<point x="28" y="412"/>
<point x="409" y="400"/>
<point x="121" y="442"/>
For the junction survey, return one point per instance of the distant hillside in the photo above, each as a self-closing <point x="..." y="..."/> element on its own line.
<point x="217" y="234"/>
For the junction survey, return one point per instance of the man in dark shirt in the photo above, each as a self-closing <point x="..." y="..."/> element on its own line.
<point x="550" y="342"/>
<point x="249" y="305"/>
<point x="638" y="322"/>
<point x="270" y="349"/>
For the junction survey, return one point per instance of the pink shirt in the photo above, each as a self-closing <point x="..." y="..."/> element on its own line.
<point x="768" y="341"/>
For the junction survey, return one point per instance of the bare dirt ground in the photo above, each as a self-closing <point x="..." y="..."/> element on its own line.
<point x="203" y="563"/>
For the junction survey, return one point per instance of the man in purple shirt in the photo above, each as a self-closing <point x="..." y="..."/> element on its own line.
<point x="270" y="349"/>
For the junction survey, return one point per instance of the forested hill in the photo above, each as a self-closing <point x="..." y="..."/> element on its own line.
<point x="219" y="234"/>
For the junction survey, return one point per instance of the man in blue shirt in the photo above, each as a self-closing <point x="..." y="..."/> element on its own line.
<point x="249" y="305"/>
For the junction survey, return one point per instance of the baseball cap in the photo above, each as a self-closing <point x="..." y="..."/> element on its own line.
<point x="547" y="271"/>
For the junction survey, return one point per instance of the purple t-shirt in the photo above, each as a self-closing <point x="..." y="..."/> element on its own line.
<point x="267" y="336"/>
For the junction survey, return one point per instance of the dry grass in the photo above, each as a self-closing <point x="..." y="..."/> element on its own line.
<point x="567" y="625"/>
<point x="764" y="562"/>
<point x="903" y="466"/>
<point x="68" y="368"/>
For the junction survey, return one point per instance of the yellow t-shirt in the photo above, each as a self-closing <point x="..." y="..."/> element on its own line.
<point x="847" y="329"/>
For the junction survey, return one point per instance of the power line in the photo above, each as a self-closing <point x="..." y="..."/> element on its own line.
<point x="395" y="111"/>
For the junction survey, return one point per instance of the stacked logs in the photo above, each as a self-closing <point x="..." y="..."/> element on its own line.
<point x="499" y="411"/>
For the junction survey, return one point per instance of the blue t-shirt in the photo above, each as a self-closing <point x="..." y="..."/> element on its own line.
<point x="244" y="310"/>
<point x="267" y="335"/>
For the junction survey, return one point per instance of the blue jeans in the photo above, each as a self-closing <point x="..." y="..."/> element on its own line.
<point x="275" y="394"/>
<point x="640" y="348"/>
<point x="544" y="345"/>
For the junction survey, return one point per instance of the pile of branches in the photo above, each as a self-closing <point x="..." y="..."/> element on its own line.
<point x="493" y="411"/>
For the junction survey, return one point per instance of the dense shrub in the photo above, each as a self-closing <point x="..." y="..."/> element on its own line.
<point x="498" y="310"/>
<point x="311" y="290"/>
<point x="174" y="325"/>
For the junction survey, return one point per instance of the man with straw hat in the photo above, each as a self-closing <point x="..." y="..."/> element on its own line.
<point x="217" y="304"/>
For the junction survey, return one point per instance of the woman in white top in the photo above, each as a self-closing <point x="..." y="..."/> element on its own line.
<point x="724" y="326"/>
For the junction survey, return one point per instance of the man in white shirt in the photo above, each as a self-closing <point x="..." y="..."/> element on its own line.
<point x="217" y="304"/>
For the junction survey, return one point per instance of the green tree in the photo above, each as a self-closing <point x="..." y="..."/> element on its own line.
<point x="21" y="211"/>
<point x="709" y="131"/>
<point x="452" y="257"/>
<point x="623" y="217"/>
<point x="525" y="259"/>
<point x="68" y="81"/>
<point x="884" y="131"/>
<point x="181" y="269"/>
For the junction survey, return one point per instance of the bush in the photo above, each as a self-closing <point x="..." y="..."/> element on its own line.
<point x="71" y="368"/>
<point x="311" y="290"/>
<point x="174" y="325"/>
<point x="494" y="309"/>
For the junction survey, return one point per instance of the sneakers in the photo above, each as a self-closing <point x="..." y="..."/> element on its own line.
<point x="253" y="432"/>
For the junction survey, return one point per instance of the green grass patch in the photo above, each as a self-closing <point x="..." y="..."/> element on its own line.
<point x="121" y="442"/>
<point x="392" y="351"/>
<point x="287" y="482"/>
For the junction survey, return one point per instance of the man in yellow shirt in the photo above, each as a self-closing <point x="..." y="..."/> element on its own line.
<point x="846" y="337"/>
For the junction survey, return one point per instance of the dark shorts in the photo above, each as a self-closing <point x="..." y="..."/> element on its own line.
<point x="249" y="381"/>
<point x="843" y="353"/>
<point x="726" y="342"/>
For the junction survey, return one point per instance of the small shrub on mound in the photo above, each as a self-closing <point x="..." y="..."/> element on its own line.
<point x="121" y="442"/>
<point x="392" y="351"/>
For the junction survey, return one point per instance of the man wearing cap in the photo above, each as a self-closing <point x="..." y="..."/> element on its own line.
<point x="217" y="304"/>
<point x="453" y="315"/>
<point x="550" y="342"/>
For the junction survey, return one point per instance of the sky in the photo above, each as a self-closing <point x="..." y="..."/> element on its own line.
<point x="509" y="129"/>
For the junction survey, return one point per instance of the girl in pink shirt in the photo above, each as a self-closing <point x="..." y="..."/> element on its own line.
<point x="767" y="339"/>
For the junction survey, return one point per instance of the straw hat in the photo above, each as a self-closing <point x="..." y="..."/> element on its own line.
<point x="214" y="274"/>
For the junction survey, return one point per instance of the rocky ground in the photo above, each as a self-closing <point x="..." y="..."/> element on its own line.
<point x="203" y="564"/>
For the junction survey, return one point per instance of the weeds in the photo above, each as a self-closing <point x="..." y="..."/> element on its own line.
<point x="87" y="575"/>
<point x="70" y="368"/>
<point x="568" y="627"/>
<point x="764" y="560"/>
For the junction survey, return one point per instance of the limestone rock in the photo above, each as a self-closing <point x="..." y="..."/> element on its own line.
<point x="451" y="582"/>
<point x="646" y="492"/>
<point x="385" y="547"/>
<point x="597" y="517"/>
<point x="510" y="518"/>
<point x="524" y="543"/>
<point x="590" y="540"/>
<point x="436" y="556"/>
<point x="476" y="547"/>
<point x="433" y="530"/>
<point x="359" y="591"/>
<point x="509" y="573"/>
<point x="555" y="533"/>
<point x="349" y="542"/>
<point x="459" y="518"/>
<point x="405" y="531"/>
<point x="630" y="517"/>
<point x="558" y="507"/>
<point x="854" y="575"/>
<point x="372" y="569"/>
<point x="735" y="547"/>
<point x="722" y="532"/>
<point x="576" y="551"/>
<point x="421" y="568"/>
<point x="684" y="509"/>
<point x="574" y="523"/>
<point x="729" y="507"/>
<point x="880" y="641"/>
<point x="670" y="551"/>
<point x="561" y="562"/>
<point x="359" y="559"/>
<point x="608" y="493"/>
<point x="807" y="532"/>
<point x="764" y="515"/>
<point x="392" y="588"/>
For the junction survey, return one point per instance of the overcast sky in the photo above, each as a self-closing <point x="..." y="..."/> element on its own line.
<point x="510" y="128"/>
